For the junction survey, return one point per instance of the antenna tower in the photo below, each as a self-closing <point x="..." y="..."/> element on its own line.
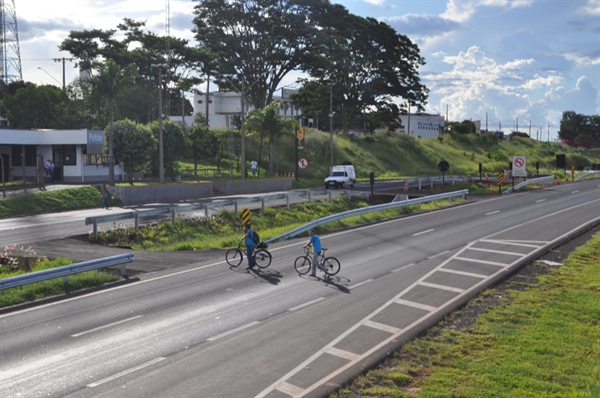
<point x="168" y="53"/>
<point x="10" y="56"/>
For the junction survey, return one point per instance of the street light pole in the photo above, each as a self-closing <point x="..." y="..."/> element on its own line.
<point x="331" y="125"/>
<point x="45" y="71"/>
<point x="63" y="59"/>
<point x="161" y="165"/>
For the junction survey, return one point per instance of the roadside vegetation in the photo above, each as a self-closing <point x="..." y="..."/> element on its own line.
<point x="534" y="339"/>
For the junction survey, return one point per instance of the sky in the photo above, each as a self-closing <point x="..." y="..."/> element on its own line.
<point x="510" y="62"/>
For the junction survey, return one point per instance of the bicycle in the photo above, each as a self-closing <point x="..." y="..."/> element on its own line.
<point x="303" y="264"/>
<point x="262" y="257"/>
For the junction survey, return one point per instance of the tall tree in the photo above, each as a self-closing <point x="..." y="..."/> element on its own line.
<point x="110" y="81"/>
<point x="573" y="124"/>
<point x="269" y="123"/>
<point x="258" y="42"/>
<point x="204" y="144"/>
<point x="134" y="145"/>
<point x="174" y="145"/>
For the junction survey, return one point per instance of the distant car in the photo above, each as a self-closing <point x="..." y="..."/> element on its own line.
<point x="341" y="176"/>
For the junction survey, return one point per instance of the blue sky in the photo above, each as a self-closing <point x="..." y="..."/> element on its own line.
<point x="525" y="60"/>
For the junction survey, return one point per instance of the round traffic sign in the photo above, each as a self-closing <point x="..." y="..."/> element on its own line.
<point x="302" y="163"/>
<point x="443" y="166"/>
<point x="519" y="162"/>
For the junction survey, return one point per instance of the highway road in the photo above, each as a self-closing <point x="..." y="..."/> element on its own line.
<point x="206" y="330"/>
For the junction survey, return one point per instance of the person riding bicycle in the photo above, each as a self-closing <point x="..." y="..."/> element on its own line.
<point x="250" y="245"/>
<point x="315" y="242"/>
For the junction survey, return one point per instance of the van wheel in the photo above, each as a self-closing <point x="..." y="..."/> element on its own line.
<point x="342" y="185"/>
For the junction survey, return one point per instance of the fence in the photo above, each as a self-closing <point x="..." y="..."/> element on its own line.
<point x="539" y="180"/>
<point x="589" y="174"/>
<point x="67" y="270"/>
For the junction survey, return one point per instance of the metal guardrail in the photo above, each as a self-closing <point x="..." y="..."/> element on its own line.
<point x="173" y="211"/>
<point x="365" y="210"/>
<point x="588" y="175"/>
<point x="528" y="182"/>
<point x="66" y="270"/>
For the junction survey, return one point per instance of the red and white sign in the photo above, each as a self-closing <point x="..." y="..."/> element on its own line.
<point x="519" y="166"/>
<point x="302" y="163"/>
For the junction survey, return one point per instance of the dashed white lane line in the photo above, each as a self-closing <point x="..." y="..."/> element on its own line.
<point x="106" y="326"/>
<point x="423" y="232"/>
<point x="541" y="200"/>
<point x="306" y="304"/>
<point x="232" y="331"/>
<point x="437" y="255"/>
<point x="492" y="212"/>
<point x="401" y="268"/>
<point x="360" y="284"/>
<point x="116" y="376"/>
<point x="574" y="191"/>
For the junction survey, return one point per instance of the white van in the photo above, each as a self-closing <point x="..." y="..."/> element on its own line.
<point x="341" y="176"/>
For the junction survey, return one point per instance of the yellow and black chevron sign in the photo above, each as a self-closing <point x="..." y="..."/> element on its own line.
<point x="245" y="216"/>
<point x="499" y="179"/>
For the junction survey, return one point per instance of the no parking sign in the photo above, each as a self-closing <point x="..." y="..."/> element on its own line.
<point x="519" y="166"/>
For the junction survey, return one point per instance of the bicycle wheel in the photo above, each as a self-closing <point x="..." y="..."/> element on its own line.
<point x="332" y="265"/>
<point x="302" y="265"/>
<point x="234" y="257"/>
<point x="262" y="258"/>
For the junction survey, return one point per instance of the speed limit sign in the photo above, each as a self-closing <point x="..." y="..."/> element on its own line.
<point x="302" y="163"/>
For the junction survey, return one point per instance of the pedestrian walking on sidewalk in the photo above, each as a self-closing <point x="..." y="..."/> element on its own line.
<point x="105" y="193"/>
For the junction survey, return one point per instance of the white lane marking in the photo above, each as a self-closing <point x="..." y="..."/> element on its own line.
<point x="360" y="284"/>
<point x="415" y="305"/>
<point x="496" y="251"/>
<point x="404" y="267"/>
<point x="442" y="287"/>
<point x="116" y="376"/>
<point x="306" y="304"/>
<point x="423" y="232"/>
<point x="574" y="191"/>
<point x="453" y="271"/>
<point x="106" y="326"/>
<point x="473" y="260"/>
<point x="507" y="242"/>
<point x="493" y="212"/>
<point x="232" y="331"/>
<point x="382" y="326"/>
<point x="290" y="389"/>
<point x="437" y="255"/>
<point x="342" y="354"/>
<point x="541" y="200"/>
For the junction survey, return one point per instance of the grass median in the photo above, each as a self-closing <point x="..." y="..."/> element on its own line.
<point x="539" y="340"/>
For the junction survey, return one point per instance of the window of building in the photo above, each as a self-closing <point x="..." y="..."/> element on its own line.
<point x="69" y="155"/>
<point x="30" y="155"/>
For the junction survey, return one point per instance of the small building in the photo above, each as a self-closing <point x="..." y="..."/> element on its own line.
<point x="76" y="154"/>
<point x="423" y="125"/>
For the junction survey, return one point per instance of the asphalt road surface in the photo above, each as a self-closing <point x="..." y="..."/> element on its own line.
<point x="205" y="330"/>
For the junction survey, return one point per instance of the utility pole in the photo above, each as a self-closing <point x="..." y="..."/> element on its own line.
<point x="161" y="160"/>
<point x="63" y="59"/>
<point x="331" y="126"/>
<point x="243" y="132"/>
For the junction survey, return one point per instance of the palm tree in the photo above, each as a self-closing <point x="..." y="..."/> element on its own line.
<point x="107" y="84"/>
<point x="269" y="123"/>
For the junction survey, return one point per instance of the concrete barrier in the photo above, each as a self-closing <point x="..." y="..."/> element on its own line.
<point x="240" y="187"/>
<point x="138" y="195"/>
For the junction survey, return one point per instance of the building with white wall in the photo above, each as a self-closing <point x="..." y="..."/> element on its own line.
<point x="423" y="124"/>
<point x="77" y="155"/>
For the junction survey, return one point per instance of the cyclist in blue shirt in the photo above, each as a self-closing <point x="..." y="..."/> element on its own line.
<point x="315" y="241"/>
<point x="250" y="245"/>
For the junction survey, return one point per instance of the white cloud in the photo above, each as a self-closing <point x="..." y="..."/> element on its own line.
<point x="375" y="2"/>
<point x="592" y="7"/>
<point x="540" y="81"/>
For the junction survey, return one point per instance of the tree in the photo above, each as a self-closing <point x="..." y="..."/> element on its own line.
<point x="270" y="124"/>
<point x="110" y="81"/>
<point x="573" y="124"/>
<point x="41" y="107"/>
<point x="258" y="42"/>
<point x="204" y="144"/>
<point x="134" y="145"/>
<point x="174" y="145"/>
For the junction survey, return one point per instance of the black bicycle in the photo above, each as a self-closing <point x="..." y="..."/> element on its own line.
<point x="261" y="255"/>
<point x="303" y="264"/>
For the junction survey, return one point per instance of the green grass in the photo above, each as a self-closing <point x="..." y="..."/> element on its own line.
<point x="52" y="201"/>
<point x="543" y="341"/>
<point x="50" y="287"/>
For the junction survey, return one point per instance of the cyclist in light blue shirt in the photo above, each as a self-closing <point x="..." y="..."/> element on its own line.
<point x="315" y="242"/>
<point x="250" y="245"/>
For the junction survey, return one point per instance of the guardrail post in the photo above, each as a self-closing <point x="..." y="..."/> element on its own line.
<point x="137" y="222"/>
<point x="431" y="179"/>
<point x="309" y="197"/>
<point x="419" y="184"/>
<point x="235" y="207"/>
<point x="262" y="206"/>
<point x="95" y="230"/>
<point x="173" y="216"/>
<point x="65" y="282"/>
<point x="329" y="193"/>
<point x="287" y="200"/>
<point x="348" y="194"/>
<point x="206" y="210"/>
<point x="453" y="180"/>
<point x="123" y="270"/>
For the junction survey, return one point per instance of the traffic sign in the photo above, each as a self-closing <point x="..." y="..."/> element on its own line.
<point x="519" y="166"/>
<point x="245" y="216"/>
<point x="300" y="138"/>
<point x="500" y="179"/>
<point x="443" y="166"/>
<point x="302" y="163"/>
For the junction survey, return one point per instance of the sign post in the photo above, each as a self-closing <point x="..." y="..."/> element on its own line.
<point x="519" y="167"/>
<point x="573" y="173"/>
<point x="443" y="166"/>
<point x="500" y="176"/>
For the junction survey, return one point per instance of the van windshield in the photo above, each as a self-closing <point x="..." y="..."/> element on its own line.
<point x="338" y="174"/>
